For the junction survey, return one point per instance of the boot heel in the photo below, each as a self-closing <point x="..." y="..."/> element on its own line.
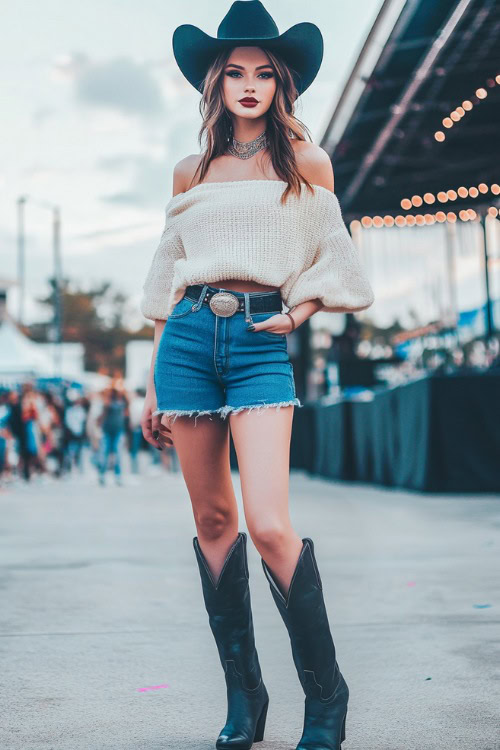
<point x="342" y="734"/>
<point x="261" y="723"/>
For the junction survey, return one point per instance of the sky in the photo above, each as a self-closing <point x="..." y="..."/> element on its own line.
<point x="96" y="113"/>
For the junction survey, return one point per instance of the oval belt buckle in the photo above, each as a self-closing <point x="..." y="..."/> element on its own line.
<point x="224" y="304"/>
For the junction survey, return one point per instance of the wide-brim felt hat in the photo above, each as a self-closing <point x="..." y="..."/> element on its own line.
<point x="248" y="23"/>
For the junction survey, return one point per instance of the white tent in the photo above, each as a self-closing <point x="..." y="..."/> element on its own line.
<point x="20" y="357"/>
<point x="23" y="359"/>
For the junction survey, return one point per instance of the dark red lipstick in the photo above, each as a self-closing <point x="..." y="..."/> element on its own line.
<point x="248" y="101"/>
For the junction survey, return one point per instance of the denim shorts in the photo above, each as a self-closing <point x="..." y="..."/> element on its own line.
<point x="210" y="364"/>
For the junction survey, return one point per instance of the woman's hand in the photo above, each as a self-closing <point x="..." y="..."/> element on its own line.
<point x="155" y="433"/>
<point x="279" y="323"/>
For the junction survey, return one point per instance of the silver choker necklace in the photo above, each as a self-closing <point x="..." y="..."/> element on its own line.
<point x="245" y="150"/>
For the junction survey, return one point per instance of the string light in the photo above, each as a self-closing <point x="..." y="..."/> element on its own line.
<point x="443" y="196"/>
<point x="410" y="220"/>
<point x="460" y="111"/>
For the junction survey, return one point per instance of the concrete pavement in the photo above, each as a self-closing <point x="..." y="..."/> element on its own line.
<point x="105" y="643"/>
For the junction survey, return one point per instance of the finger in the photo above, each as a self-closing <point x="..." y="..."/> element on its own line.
<point x="146" y="427"/>
<point x="165" y="427"/>
<point x="165" y="440"/>
<point x="146" y="431"/>
<point x="165" y="435"/>
<point x="155" y="423"/>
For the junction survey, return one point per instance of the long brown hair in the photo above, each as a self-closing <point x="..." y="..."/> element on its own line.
<point x="281" y="122"/>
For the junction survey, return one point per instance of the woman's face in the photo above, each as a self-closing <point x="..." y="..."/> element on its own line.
<point x="248" y="73"/>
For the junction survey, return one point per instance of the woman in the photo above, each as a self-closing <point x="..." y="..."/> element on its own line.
<point x="253" y="223"/>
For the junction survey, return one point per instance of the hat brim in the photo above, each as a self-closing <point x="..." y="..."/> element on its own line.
<point x="301" y="46"/>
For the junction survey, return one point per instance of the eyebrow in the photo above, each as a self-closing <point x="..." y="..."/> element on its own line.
<point x="242" y="67"/>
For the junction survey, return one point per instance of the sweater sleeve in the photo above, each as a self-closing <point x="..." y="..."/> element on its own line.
<point x="156" y="288"/>
<point x="336" y="276"/>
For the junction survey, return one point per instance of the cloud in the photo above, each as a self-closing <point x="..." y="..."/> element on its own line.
<point x="41" y="114"/>
<point x="67" y="65"/>
<point x="122" y="84"/>
<point x="150" y="182"/>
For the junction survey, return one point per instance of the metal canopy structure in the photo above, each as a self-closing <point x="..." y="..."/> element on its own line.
<point x="420" y="63"/>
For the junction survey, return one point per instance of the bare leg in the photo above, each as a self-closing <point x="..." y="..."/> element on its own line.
<point x="203" y="451"/>
<point x="262" y="442"/>
<point x="204" y="457"/>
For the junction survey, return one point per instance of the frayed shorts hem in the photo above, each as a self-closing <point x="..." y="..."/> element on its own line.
<point x="224" y="410"/>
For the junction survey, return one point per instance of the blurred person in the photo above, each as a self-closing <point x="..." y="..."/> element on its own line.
<point x="49" y="424"/>
<point x="136" y="406"/>
<point x="94" y="430"/>
<point x="16" y="427"/>
<point x="112" y="422"/>
<point x="30" y="415"/>
<point x="55" y="411"/>
<point x="5" y="435"/>
<point x="75" y="420"/>
<point x="23" y="424"/>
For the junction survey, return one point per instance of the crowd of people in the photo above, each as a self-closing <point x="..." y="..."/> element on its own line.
<point x="56" y="431"/>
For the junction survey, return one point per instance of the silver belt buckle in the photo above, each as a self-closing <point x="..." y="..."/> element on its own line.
<point x="224" y="304"/>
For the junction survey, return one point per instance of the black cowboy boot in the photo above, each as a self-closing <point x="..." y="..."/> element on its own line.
<point x="304" y="614"/>
<point x="230" y="617"/>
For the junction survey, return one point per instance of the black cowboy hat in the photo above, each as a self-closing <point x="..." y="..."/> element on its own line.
<point x="247" y="23"/>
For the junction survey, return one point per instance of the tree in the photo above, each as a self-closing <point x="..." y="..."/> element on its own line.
<point x="94" y="317"/>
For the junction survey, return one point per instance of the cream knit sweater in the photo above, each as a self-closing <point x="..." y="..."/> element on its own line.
<point x="239" y="230"/>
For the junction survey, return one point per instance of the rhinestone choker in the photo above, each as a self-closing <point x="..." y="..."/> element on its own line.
<point x="245" y="150"/>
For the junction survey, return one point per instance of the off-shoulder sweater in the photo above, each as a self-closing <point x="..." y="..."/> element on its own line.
<point x="240" y="230"/>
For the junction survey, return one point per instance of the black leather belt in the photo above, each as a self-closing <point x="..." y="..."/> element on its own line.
<point x="229" y="303"/>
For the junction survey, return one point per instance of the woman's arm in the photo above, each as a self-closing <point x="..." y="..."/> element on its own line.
<point x="152" y="429"/>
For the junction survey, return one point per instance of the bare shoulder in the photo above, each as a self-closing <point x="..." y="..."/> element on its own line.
<point x="314" y="163"/>
<point x="184" y="171"/>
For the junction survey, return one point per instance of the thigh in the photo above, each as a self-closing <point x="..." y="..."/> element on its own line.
<point x="260" y="372"/>
<point x="202" y="446"/>
<point x="184" y="373"/>
<point x="262" y="442"/>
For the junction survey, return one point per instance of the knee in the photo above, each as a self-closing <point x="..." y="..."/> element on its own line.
<point x="269" y="538"/>
<point x="213" y="523"/>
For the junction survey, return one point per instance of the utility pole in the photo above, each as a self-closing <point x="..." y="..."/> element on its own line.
<point x="57" y="270"/>
<point x="21" y="279"/>
<point x="56" y="239"/>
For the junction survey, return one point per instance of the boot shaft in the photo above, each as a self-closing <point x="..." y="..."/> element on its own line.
<point x="228" y="604"/>
<point x="304" y="613"/>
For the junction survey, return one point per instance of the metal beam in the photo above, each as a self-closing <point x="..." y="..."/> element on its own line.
<point x="400" y="108"/>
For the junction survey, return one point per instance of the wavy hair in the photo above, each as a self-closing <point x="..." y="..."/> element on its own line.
<point x="282" y="125"/>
